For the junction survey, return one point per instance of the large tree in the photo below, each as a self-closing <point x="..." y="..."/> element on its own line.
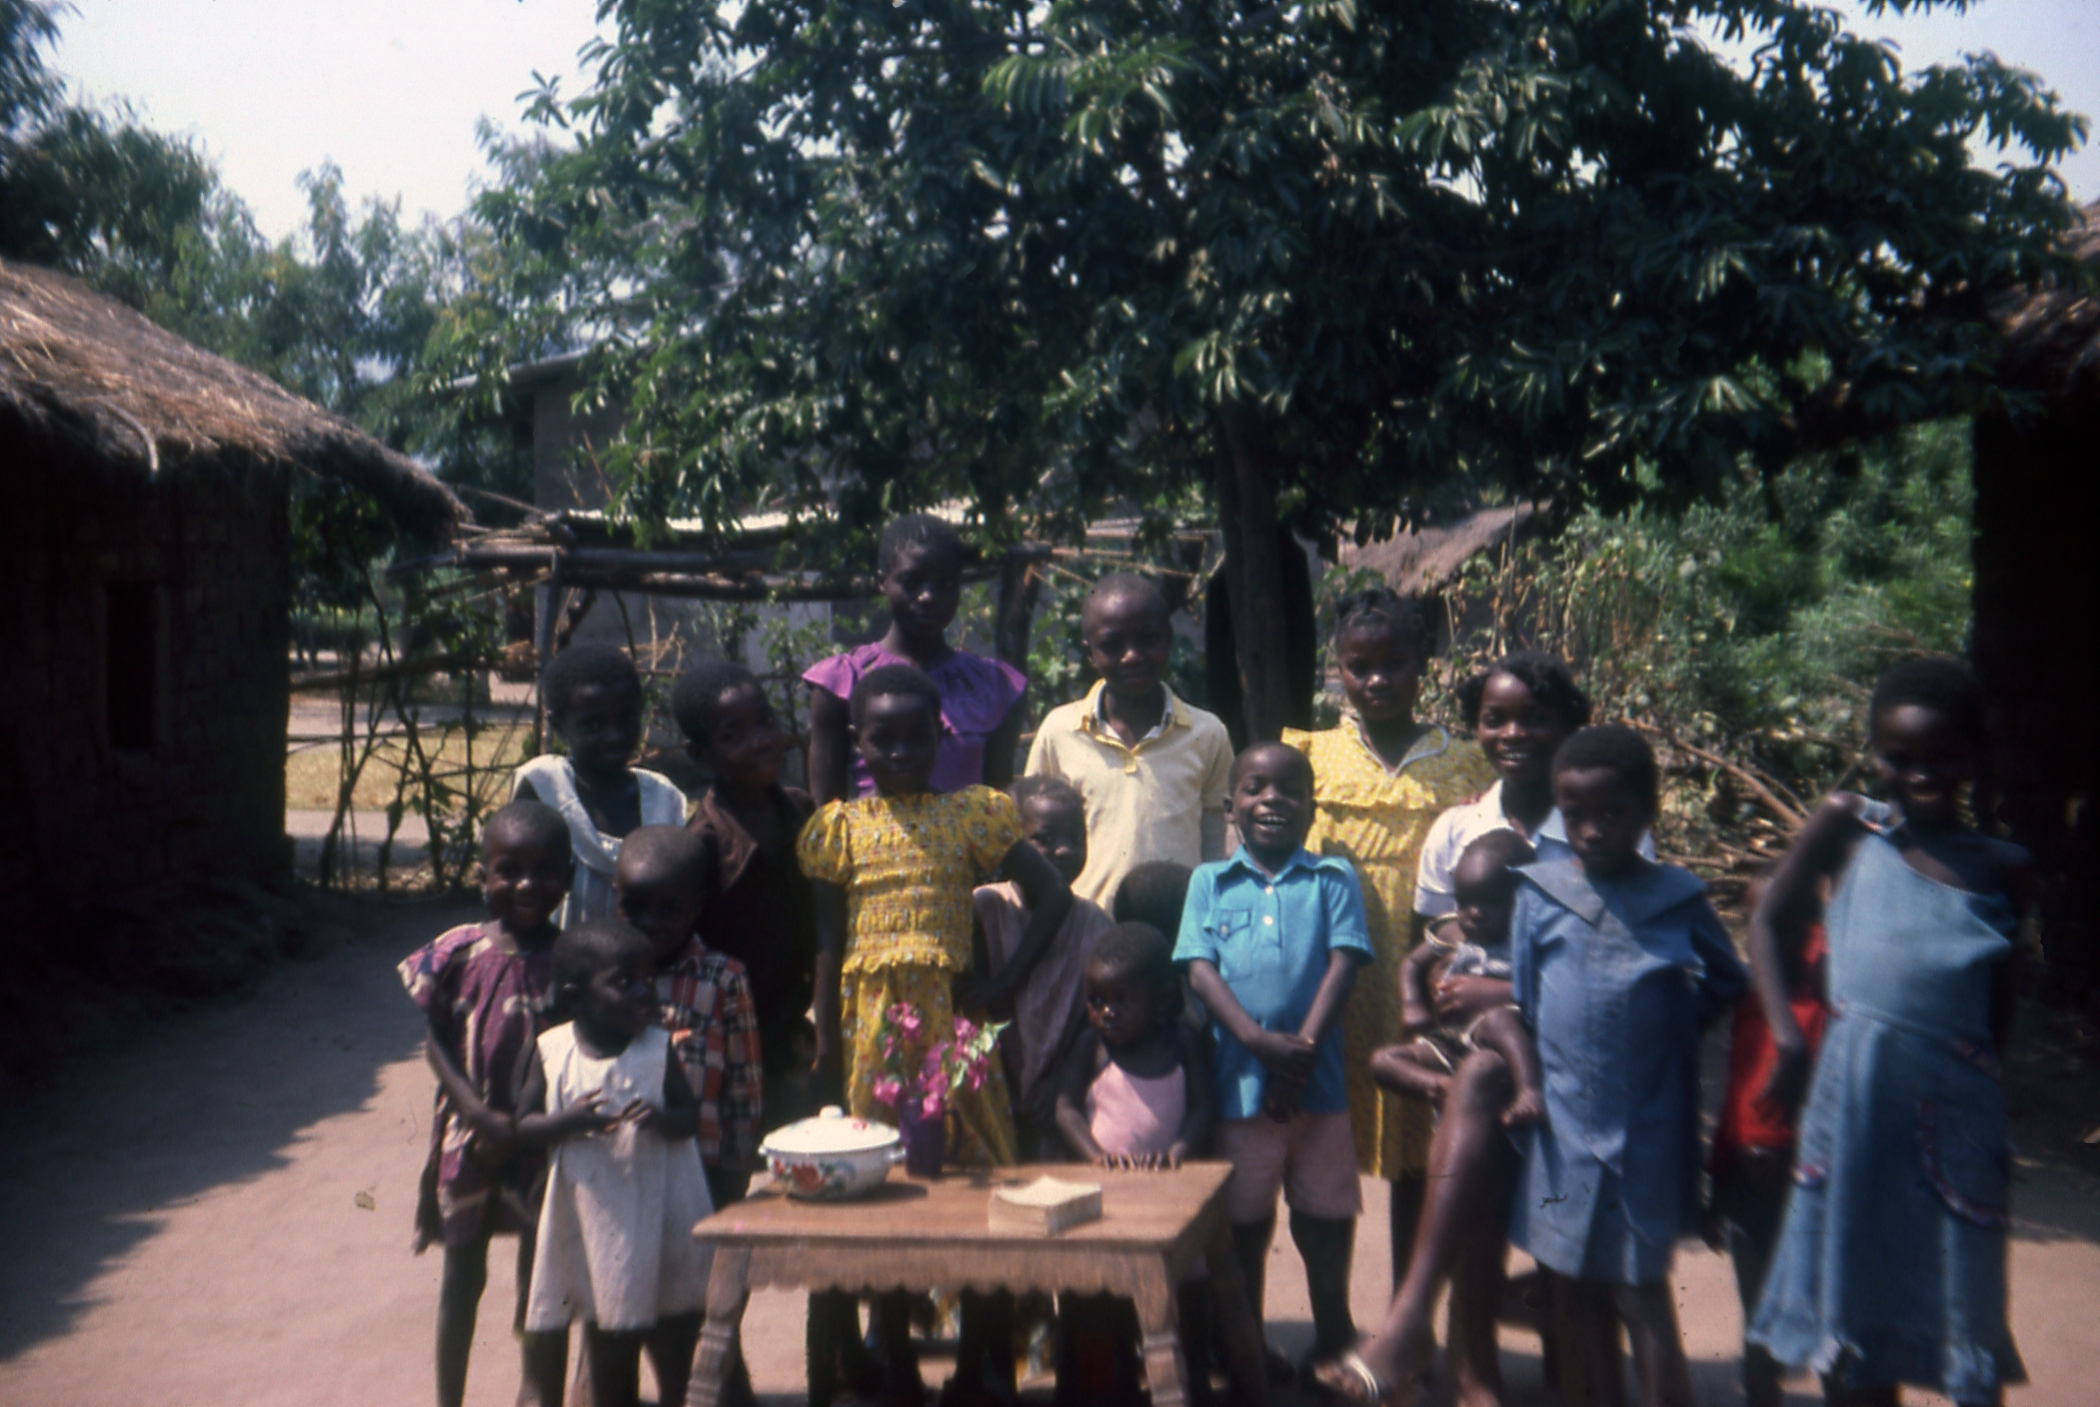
<point x="1319" y="261"/>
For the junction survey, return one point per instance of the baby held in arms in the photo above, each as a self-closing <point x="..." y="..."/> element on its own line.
<point x="1475" y="943"/>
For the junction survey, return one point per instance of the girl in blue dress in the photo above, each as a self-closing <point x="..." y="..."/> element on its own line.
<point x="1619" y="961"/>
<point x="1890" y="1267"/>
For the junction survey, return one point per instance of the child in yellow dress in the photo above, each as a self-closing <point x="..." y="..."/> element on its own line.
<point x="1382" y="779"/>
<point x="893" y="875"/>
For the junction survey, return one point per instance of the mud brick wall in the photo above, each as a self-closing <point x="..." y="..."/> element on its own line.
<point x="174" y="593"/>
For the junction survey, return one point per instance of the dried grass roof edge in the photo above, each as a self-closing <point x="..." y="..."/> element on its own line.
<point x="80" y="368"/>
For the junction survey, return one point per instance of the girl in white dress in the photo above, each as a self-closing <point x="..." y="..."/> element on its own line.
<point x="624" y="1185"/>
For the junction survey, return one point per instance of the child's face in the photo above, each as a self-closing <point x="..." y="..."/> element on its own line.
<point x="1128" y="638"/>
<point x="1380" y="673"/>
<point x="1486" y="895"/>
<point x="1923" y="761"/>
<point x="602" y="726"/>
<point x="1119" y="1005"/>
<point x="1605" y="816"/>
<point x="1272" y="803"/>
<point x="524" y="878"/>
<point x="1057" y="828"/>
<point x="1518" y="733"/>
<point x="620" y="996"/>
<point x="664" y="902"/>
<point x="923" y="588"/>
<point x="745" y="743"/>
<point x="898" y="736"/>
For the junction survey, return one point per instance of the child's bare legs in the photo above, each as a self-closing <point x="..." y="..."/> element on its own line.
<point x="1469" y="1158"/>
<point x="1503" y="1032"/>
<point x="1587" y="1364"/>
<point x="546" y="1356"/>
<point x="459" y="1296"/>
<point x="1327" y="1244"/>
<point x="1471" y="1352"/>
<point x="1650" y="1314"/>
<point x="465" y="1276"/>
<point x="615" y="1360"/>
<point x="670" y="1347"/>
<point x="1403" y="1211"/>
<point x="1412" y="1068"/>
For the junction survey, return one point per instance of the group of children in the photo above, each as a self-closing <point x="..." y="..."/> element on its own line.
<point x="1445" y="959"/>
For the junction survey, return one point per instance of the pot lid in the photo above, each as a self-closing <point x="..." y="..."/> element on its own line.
<point x="831" y="1131"/>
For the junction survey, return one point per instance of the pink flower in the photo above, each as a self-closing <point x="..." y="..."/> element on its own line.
<point x="965" y="1029"/>
<point x="933" y="1107"/>
<point x="907" y="1019"/>
<point x="887" y="1090"/>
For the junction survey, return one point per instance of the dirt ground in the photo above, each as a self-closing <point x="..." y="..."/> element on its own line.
<point x="216" y="1210"/>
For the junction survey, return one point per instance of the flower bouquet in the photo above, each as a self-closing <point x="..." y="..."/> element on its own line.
<point x="920" y="1080"/>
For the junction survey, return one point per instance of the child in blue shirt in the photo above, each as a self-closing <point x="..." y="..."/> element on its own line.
<point x="1271" y="940"/>
<point x="1619" y="962"/>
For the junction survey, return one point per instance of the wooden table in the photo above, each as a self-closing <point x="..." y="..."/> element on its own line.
<point x="911" y="1234"/>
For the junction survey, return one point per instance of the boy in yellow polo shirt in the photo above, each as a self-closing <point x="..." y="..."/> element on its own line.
<point x="1153" y="769"/>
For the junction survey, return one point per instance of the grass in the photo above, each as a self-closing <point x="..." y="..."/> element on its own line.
<point x="313" y="774"/>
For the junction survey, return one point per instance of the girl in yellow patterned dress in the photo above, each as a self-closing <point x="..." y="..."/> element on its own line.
<point x="893" y="875"/>
<point x="1383" y="778"/>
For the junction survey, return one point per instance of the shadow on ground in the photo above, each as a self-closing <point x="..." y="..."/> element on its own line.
<point x="187" y="1107"/>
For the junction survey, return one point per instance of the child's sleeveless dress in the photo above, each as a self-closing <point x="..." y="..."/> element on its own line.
<point x="1128" y="1114"/>
<point x="1891" y="1262"/>
<point x="616" y="1241"/>
<point x="597" y="854"/>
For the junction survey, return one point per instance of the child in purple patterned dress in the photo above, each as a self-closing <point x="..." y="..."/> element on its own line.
<point x="485" y="989"/>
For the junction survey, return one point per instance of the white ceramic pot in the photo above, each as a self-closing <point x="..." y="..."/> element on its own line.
<point x="832" y="1157"/>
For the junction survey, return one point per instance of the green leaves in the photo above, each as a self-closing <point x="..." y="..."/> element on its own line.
<point x="891" y="254"/>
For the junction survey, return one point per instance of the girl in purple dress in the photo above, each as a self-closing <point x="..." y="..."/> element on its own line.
<point x="920" y="566"/>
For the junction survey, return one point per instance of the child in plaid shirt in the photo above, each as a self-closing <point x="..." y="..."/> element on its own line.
<point x="703" y="997"/>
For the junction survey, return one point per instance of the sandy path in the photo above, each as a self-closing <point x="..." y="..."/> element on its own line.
<point x="182" y="1223"/>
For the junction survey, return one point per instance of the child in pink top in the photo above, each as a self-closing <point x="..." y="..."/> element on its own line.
<point x="1136" y="1094"/>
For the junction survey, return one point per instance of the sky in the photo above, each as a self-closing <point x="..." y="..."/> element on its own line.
<point x="391" y="90"/>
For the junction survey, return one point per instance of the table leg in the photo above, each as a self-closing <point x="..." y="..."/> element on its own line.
<point x="1236" y="1326"/>
<point x="728" y="1290"/>
<point x="1160" y="1328"/>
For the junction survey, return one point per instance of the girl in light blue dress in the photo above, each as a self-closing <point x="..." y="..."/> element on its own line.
<point x="1891" y="1263"/>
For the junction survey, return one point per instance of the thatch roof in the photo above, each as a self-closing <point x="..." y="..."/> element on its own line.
<point x="84" y="370"/>
<point x="2052" y="337"/>
<point x="1425" y="560"/>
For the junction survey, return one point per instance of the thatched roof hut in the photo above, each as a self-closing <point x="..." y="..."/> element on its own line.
<point x="2052" y="335"/>
<point x="83" y="370"/>
<point x="145" y="598"/>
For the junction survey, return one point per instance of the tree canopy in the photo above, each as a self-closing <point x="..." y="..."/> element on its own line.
<point x="1333" y="256"/>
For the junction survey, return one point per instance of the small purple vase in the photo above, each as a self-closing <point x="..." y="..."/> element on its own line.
<point x="925" y="1140"/>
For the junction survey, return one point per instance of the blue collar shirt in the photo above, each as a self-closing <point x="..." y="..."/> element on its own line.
<point x="1269" y="936"/>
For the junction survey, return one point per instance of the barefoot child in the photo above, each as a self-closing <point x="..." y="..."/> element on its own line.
<point x="624" y="1187"/>
<point x="894" y="873"/>
<point x="593" y="699"/>
<point x="1384" y="778"/>
<point x="1891" y="1260"/>
<point x="1134" y="1093"/>
<point x="1485" y="885"/>
<point x="702" y="1000"/>
<point x="1151" y="766"/>
<point x="485" y="989"/>
<point x="919" y="565"/>
<point x="1618" y="963"/>
<point x="1048" y="1008"/>
<point x="1271" y="940"/>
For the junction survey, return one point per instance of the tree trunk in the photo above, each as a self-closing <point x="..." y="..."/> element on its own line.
<point x="1020" y="584"/>
<point x="1254" y="585"/>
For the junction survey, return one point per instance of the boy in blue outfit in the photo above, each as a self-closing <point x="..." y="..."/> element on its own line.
<point x="1271" y="940"/>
